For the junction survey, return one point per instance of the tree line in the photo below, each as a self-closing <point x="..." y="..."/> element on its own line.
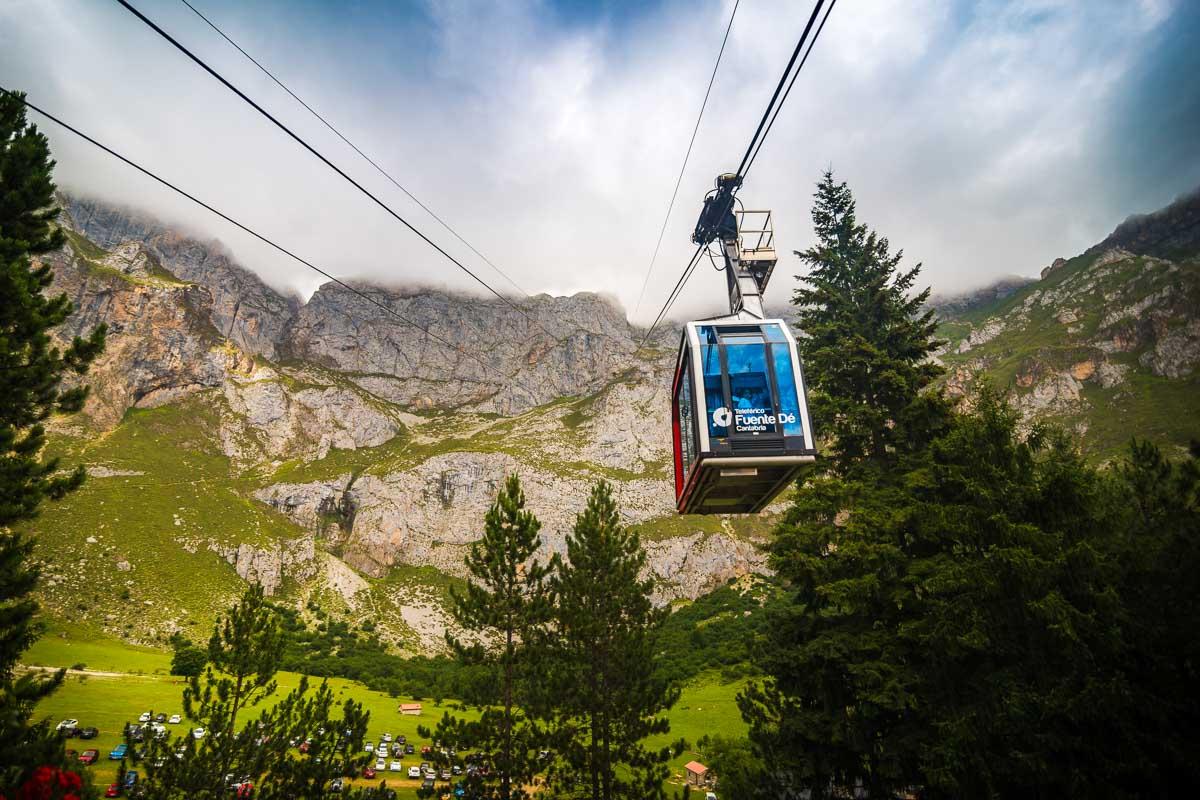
<point x="972" y="610"/>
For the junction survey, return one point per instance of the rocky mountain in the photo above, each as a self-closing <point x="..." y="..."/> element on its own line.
<point x="1106" y="343"/>
<point x="333" y="453"/>
<point x="340" y="456"/>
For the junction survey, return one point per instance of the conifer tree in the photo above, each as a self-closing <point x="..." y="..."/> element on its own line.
<point x="600" y="662"/>
<point x="241" y="742"/>
<point x="504" y="606"/>
<point x="867" y="337"/>
<point x="31" y="369"/>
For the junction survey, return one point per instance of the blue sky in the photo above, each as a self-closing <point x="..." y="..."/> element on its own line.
<point x="984" y="138"/>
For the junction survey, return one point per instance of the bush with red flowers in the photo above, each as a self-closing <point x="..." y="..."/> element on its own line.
<point x="50" y="783"/>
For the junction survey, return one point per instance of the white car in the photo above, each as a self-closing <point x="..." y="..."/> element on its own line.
<point x="397" y="766"/>
<point x="198" y="733"/>
<point x="387" y="737"/>
<point x="381" y="751"/>
<point x="381" y="765"/>
<point x="144" y="717"/>
<point x="175" y="719"/>
<point x="368" y="748"/>
<point x="67" y="725"/>
<point x="414" y="772"/>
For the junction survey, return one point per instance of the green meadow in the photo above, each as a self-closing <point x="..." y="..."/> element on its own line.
<point x="706" y="706"/>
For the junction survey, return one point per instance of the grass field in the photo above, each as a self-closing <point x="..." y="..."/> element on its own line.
<point x="107" y="703"/>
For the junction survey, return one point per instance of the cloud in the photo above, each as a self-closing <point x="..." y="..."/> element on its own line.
<point x="975" y="136"/>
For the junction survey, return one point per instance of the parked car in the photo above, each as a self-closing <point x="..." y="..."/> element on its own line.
<point x="243" y="789"/>
<point x="402" y="739"/>
<point x="160" y="718"/>
<point x="89" y="756"/>
<point x="409" y="750"/>
<point x="460" y="790"/>
<point x="67" y="726"/>
<point x="425" y="766"/>
<point x="396" y="766"/>
<point x="381" y="765"/>
<point x="336" y="785"/>
<point x="456" y="769"/>
<point x="387" y="737"/>
<point x="426" y="749"/>
<point x="368" y="747"/>
<point x="174" y="719"/>
<point x="414" y="772"/>
<point x="397" y="750"/>
<point x="87" y="733"/>
<point x="144" y="717"/>
<point x="113" y="790"/>
<point x="198" y="733"/>
<point x="118" y="752"/>
<point x="445" y="774"/>
<point x="427" y="784"/>
<point x="137" y="733"/>
<point x="368" y="772"/>
<point x="131" y="779"/>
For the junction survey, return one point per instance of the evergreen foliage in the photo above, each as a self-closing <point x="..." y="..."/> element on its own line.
<point x="504" y="606"/>
<point x="600" y="664"/>
<point x="868" y="338"/>
<point x="972" y="610"/>
<point x="243" y="658"/>
<point x="31" y="371"/>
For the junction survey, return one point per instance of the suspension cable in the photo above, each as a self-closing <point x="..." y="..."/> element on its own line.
<point x="355" y="148"/>
<point x="245" y="228"/>
<point x="787" y="79"/>
<point x="150" y="23"/>
<point x="686" y="156"/>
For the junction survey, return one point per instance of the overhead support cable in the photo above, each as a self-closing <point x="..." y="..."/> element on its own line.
<point x="686" y="156"/>
<point x="783" y="79"/>
<point x="687" y="271"/>
<point x="791" y="83"/>
<point x="778" y="97"/>
<point x="355" y="148"/>
<point x="201" y="63"/>
<point x="507" y="379"/>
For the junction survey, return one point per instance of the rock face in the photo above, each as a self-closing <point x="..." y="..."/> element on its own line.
<point x="382" y="445"/>
<point x="243" y="308"/>
<point x="546" y="348"/>
<point x="161" y="344"/>
<point x="1108" y="336"/>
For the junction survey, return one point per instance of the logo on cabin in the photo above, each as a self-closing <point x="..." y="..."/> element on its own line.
<point x="722" y="417"/>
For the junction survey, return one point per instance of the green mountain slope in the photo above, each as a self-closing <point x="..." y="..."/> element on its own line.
<point x="1106" y="343"/>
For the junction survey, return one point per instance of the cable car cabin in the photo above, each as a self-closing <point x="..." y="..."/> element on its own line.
<point x="740" y="418"/>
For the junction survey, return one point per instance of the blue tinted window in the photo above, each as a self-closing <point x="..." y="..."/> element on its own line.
<point x="789" y="406"/>
<point x="774" y="333"/>
<point x="714" y="393"/>
<point x="750" y="384"/>
<point x="687" y="435"/>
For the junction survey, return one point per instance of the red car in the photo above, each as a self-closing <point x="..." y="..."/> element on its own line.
<point x="89" y="756"/>
<point x="113" y="790"/>
<point x="369" y="772"/>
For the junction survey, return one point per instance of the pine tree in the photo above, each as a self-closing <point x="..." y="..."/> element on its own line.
<point x="867" y="337"/>
<point x="600" y="663"/>
<point x="243" y="658"/>
<point x="31" y="369"/>
<point x="504" y="605"/>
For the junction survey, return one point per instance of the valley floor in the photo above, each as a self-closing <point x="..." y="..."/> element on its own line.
<point x="113" y="683"/>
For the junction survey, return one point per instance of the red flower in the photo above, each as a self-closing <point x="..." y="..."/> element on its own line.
<point x="44" y="782"/>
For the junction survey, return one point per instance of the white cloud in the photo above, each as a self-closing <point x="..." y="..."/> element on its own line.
<point x="969" y="134"/>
